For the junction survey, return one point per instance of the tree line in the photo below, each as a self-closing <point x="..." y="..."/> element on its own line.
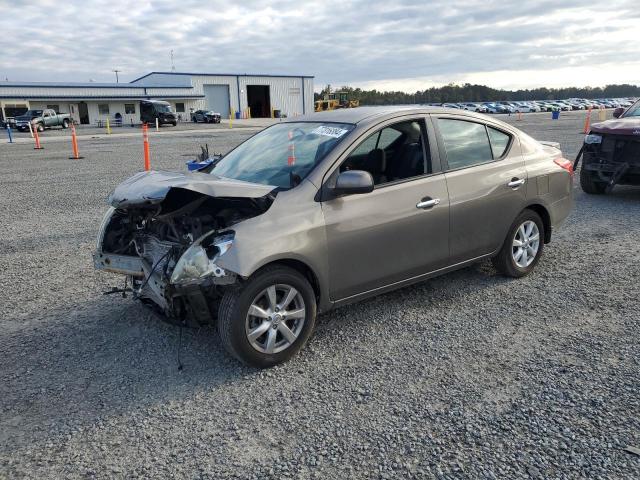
<point x="479" y="93"/>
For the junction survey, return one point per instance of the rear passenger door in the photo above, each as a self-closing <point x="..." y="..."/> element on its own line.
<point x="486" y="178"/>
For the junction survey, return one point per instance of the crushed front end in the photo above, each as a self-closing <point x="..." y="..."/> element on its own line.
<point x="611" y="157"/>
<point x="168" y="249"/>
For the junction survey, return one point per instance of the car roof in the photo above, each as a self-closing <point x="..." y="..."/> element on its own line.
<point x="360" y="114"/>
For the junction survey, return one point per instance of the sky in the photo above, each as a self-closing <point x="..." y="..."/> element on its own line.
<point x="387" y="45"/>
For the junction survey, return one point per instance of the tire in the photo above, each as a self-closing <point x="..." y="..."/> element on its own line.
<point x="505" y="262"/>
<point x="234" y="320"/>
<point x="589" y="184"/>
<point x="194" y="120"/>
<point x="65" y="123"/>
<point x="40" y="127"/>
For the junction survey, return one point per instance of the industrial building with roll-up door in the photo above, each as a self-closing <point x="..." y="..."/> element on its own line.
<point x="291" y="95"/>
<point x="90" y="103"/>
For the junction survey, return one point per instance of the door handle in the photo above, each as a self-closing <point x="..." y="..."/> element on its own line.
<point x="515" y="183"/>
<point x="426" y="204"/>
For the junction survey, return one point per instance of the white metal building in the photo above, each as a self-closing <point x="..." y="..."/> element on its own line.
<point x="90" y="103"/>
<point x="291" y="95"/>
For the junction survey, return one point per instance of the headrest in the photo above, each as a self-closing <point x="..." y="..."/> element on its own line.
<point x="376" y="161"/>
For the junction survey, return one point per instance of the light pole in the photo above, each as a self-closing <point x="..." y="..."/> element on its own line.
<point x="116" y="72"/>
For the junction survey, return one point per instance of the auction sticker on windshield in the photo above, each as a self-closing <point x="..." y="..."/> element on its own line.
<point x="334" y="132"/>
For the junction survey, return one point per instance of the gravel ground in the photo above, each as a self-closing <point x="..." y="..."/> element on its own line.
<point x="469" y="375"/>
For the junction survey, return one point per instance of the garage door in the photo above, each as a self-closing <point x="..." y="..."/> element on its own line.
<point x="217" y="99"/>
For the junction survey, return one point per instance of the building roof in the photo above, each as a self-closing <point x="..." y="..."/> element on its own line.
<point x="221" y="75"/>
<point x="84" y="85"/>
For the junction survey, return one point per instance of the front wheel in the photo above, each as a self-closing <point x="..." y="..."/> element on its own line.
<point x="40" y="127"/>
<point x="65" y="124"/>
<point x="269" y="318"/>
<point x="589" y="184"/>
<point x="523" y="246"/>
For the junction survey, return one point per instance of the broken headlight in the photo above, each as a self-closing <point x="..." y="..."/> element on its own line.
<point x="592" y="138"/>
<point x="199" y="261"/>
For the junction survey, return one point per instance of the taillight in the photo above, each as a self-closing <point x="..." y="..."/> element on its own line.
<point x="565" y="164"/>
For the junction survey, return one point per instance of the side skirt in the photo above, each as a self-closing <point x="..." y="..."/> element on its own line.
<point x="409" y="281"/>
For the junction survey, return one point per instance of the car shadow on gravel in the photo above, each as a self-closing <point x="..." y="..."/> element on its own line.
<point x="112" y="355"/>
<point x="107" y="356"/>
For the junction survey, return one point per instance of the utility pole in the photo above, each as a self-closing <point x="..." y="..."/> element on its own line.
<point x="115" y="70"/>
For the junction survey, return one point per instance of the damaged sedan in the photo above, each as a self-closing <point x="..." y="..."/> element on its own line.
<point x="328" y="209"/>
<point x="611" y="152"/>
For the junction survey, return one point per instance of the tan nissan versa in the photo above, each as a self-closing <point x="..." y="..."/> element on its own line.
<point x="327" y="209"/>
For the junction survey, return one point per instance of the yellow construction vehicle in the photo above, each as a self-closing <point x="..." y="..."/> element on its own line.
<point x="335" y="100"/>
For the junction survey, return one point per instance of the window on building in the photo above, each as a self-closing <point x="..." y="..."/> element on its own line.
<point x="103" y="109"/>
<point x="130" y="108"/>
<point x="466" y="143"/>
<point x="179" y="107"/>
<point x="55" y="108"/>
<point x="14" y="109"/>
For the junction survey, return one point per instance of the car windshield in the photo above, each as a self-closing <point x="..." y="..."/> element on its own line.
<point x="282" y="155"/>
<point x="634" y="110"/>
<point x="162" y="108"/>
<point x="33" y="113"/>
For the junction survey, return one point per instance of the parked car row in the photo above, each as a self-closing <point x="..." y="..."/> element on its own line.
<point x="540" y="105"/>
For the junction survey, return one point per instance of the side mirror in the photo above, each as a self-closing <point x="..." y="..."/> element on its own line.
<point x="617" y="112"/>
<point x="353" y="181"/>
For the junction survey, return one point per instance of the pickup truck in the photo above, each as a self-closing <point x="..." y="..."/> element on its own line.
<point x="42" y="119"/>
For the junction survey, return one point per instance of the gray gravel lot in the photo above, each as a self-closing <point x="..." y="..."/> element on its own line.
<point x="469" y="375"/>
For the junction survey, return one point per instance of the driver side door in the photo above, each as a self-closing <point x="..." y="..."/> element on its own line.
<point x="398" y="231"/>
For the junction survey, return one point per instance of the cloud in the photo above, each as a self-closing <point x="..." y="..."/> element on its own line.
<point x="387" y="45"/>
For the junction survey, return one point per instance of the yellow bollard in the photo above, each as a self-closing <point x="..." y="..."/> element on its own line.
<point x="602" y="115"/>
<point x="108" y="127"/>
<point x="231" y="118"/>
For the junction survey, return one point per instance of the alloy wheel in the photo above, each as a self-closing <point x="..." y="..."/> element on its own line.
<point x="275" y="319"/>
<point x="526" y="243"/>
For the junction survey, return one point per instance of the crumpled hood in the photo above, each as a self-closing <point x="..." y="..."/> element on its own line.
<point x="150" y="188"/>
<point x="618" y="126"/>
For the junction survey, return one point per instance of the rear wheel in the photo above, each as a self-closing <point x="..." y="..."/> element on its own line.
<point x="589" y="183"/>
<point x="268" y="319"/>
<point x="523" y="246"/>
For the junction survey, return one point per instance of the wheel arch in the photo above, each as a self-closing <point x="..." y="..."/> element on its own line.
<point x="304" y="269"/>
<point x="542" y="211"/>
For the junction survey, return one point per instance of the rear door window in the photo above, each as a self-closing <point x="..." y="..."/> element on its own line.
<point x="466" y="143"/>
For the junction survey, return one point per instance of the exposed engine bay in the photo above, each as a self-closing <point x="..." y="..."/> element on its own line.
<point x="168" y="249"/>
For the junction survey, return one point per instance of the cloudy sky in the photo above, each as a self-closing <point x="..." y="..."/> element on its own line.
<point x="388" y="45"/>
